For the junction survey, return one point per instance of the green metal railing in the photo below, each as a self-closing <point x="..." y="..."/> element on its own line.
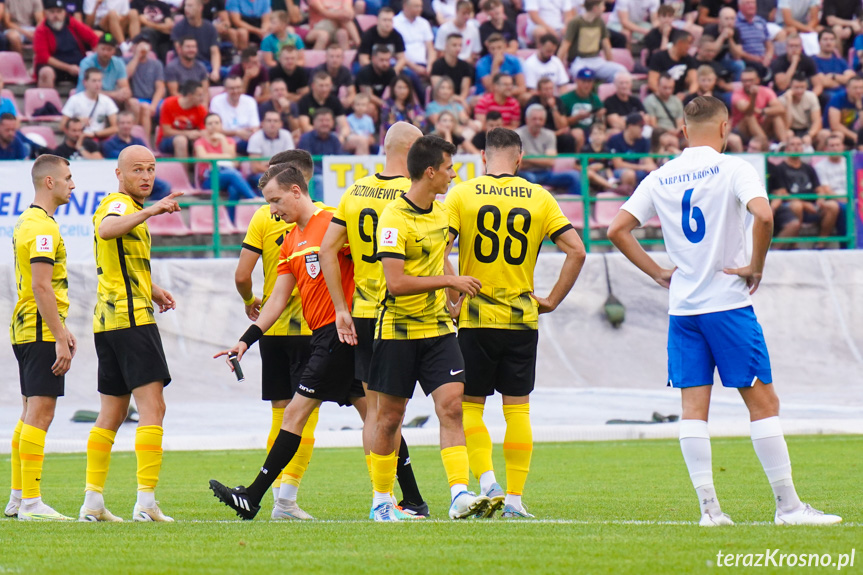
<point x="219" y="248"/>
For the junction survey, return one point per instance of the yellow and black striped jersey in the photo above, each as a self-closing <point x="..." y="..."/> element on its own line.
<point x="125" y="292"/>
<point x="502" y="221"/>
<point x="36" y="239"/>
<point x="419" y="237"/>
<point x="265" y="236"/>
<point x="359" y="211"/>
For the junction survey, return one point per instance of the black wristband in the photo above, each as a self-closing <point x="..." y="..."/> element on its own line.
<point x="252" y="335"/>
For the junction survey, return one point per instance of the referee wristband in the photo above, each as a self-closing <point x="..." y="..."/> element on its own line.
<point x="251" y="299"/>
<point x="252" y="335"/>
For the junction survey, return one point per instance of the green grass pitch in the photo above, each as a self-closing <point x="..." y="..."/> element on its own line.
<point x="610" y="507"/>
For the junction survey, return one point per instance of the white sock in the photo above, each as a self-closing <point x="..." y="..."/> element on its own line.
<point x="380" y="498"/>
<point x="31" y="501"/>
<point x="514" y="500"/>
<point x="15" y="494"/>
<point x="288" y="492"/>
<point x="771" y="449"/>
<point x="276" y="493"/>
<point x="456" y="489"/>
<point x="486" y="480"/>
<point x="94" y="500"/>
<point x="147" y="499"/>
<point x="695" y="446"/>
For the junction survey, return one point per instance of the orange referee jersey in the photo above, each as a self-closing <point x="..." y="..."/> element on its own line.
<point x="299" y="256"/>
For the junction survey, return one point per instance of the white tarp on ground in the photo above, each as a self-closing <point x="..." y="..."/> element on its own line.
<point x="587" y="372"/>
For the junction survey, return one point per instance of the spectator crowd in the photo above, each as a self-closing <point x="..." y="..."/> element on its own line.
<point x="244" y="79"/>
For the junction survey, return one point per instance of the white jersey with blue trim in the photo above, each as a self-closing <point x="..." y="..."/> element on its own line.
<point x="700" y="198"/>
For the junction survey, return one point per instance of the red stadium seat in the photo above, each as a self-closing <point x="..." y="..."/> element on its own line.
<point x="215" y="91"/>
<point x="244" y="215"/>
<point x="604" y="211"/>
<point x="14" y="69"/>
<point x="348" y="58"/>
<point x="366" y="21"/>
<point x="35" y="98"/>
<point x="481" y="17"/>
<point x="175" y="174"/>
<point x="201" y="218"/>
<point x="314" y="58"/>
<point x="605" y="90"/>
<point x="168" y="225"/>
<point x="45" y="131"/>
<point x="574" y="211"/>
<point x="521" y="28"/>
<point x="138" y="132"/>
<point x="624" y="57"/>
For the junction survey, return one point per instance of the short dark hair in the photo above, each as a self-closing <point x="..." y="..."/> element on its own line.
<point x="826" y="31"/>
<point x="8" y="116"/>
<point x="703" y="108"/>
<point x="321" y="75"/>
<point x="461" y="4"/>
<point x="90" y="71"/>
<point x="381" y="49"/>
<point x="299" y="158"/>
<point x="302" y="162"/>
<point x="323" y="112"/>
<point x="493" y="115"/>
<point x="495" y="37"/>
<point x="186" y="38"/>
<point x="210" y="115"/>
<point x="800" y="77"/>
<point x="454" y="35"/>
<point x="189" y="87"/>
<point x="233" y="77"/>
<point x="591" y="4"/>
<point x="682" y="35"/>
<point x="546" y="38"/>
<point x="665" y="10"/>
<point x="292" y="176"/>
<point x="498" y="76"/>
<point x="249" y="54"/>
<point x="665" y="76"/>
<point x="386" y="9"/>
<point x="752" y="70"/>
<point x="502" y="138"/>
<point x="427" y="152"/>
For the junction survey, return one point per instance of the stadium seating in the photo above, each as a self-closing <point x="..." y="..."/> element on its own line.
<point x="45" y="131"/>
<point x="314" y="58"/>
<point x="175" y="174"/>
<point x="201" y="220"/>
<point x="605" y="90"/>
<point x="168" y="225"/>
<point x="521" y="29"/>
<point x="366" y="21"/>
<point x="623" y="57"/>
<point x="138" y="132"/>
<point x="574" y="211"/>
<point x="215" y="91"/>
<point x="244" y="215"/>
<point x="14" y="69"/>
<point x="35" y="98"/>
<point x="604" y="211"/>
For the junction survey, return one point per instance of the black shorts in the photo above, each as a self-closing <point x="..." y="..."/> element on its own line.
<point x="59" y="75"/>
<point x="130" y="358"/>
<point x="502" y="360"/>
<point x="329" y="373"/>
<point x="783" y="215"/>
<point x="283" y="360"/>
<point x="35" y="360"/>
<point x="365" y="327"/>
<point x="397" y="365"/>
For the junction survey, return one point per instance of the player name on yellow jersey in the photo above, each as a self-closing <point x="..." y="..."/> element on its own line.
<point x="37" y="239"/>
<point x="359" y="210"/>
<point x="502" y="221"/>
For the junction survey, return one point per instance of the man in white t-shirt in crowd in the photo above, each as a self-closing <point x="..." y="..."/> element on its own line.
<point x="463" y="24"/>
<point x="544" y="64"/>
<point x="271" y="139"/>
<point x="238" y="111"/>
<point x="833" y="172"/>
<point x="97" y="111"/>
<point x="634" y="18"/>
<point x="702" y="198"/>
<point x="547" y="17"/>
<point x="110" y="16"/>
<point x="418" y="37"/>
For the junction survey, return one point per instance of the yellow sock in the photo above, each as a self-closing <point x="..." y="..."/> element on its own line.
<point x="369" y="465"/>
<point x="275" y="427"/>
<point x="148" y="450"/>
<point x="455" y="463"/>
<point x="517" y="446"/>
<point x="99" y="447"/>
<point x="383" y="472"/>
<point x="16" y="457"/>
<point x="294" y="471"/>
<point x="477" y="438"/>
<point x="31" y="449"/>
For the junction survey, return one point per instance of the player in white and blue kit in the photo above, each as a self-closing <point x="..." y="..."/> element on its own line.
<point x="702" y="198"/>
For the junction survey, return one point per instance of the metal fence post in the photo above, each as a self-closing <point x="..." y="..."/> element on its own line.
<point x="214" y="186"/>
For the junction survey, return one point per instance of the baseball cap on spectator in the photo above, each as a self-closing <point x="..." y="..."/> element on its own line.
<point x="48" y="4"/>
<point x="140" y="38"/>
<point x="108" y="38"/>
<point x="585" y="74"/>
<point x="634" y="119"/>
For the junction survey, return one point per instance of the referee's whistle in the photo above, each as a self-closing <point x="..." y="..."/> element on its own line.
<point x="238" y="371"/>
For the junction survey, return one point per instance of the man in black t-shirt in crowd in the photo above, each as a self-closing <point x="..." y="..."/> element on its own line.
<point x="498" y="23"/>
<point x="373" y="79"/>
<point x="295" y="77"/>
<point x="622" y="103"/>
<point x="786" y="66"/>
<point x="460" y="72"/>
<point x="383" y="33"/>
<point x="677" y="63"/>
<point x="492" y="120"/>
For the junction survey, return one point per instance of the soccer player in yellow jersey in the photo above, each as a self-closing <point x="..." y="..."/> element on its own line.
<point x="502" y="220"/>
<point x="128" y="345"/>
<point x="355" y="222"/>
<point x="43" y="346"/>
<point x="285" y="346"/>
<point x="414" y="335"/>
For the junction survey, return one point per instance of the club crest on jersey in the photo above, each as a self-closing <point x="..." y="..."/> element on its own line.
<point x="313" y="266"/>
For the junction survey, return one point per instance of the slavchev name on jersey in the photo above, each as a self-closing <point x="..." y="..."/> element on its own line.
<point x="700" y="198"/>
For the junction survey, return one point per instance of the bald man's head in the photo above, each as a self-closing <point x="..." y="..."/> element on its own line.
<point x="136" y="171"/>
<point x="399" y="139"/>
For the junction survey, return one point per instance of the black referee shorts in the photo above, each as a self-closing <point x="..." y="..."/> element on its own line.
<point x="283" y="360"/>
<point x="502" y="360"/>
<point x="397" y="365"/>
<point x="329" y="373"/>
<point x="35" y="360"/>
<point x="130" y="358"/>
<point x="365" y="327"/>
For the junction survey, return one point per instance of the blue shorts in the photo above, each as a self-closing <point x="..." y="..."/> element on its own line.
<point x="729" y="340"/>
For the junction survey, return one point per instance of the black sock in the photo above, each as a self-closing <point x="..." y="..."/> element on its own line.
<point x="405" y="475"/>
<point x="280" y="454"/>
